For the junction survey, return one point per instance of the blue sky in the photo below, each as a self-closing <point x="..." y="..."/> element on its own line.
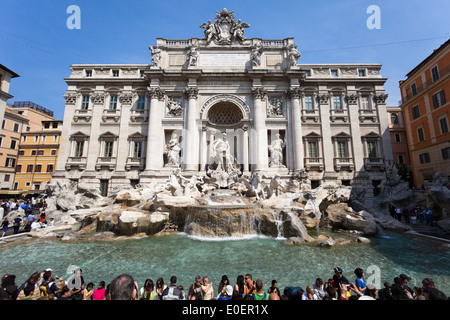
<point x="36" y="43"/>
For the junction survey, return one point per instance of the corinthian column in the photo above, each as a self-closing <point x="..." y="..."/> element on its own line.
<point x="296" y="127"/>
<point x="259" y="117"/>
<point x="154" y="158"/>
<point x="190" y="134"/>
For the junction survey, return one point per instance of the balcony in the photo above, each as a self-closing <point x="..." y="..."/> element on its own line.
<point x="374" y="163"/>
<point x="108" y="163"/>
<point x="310" y="114"/>
<point x="343" y="164"/>
<point x="76" y="163"/>
<point x="314" y="164"/>
<point x="82" y="115"/>
<point x="338" y="114"/>
<point x="369" y="114"/>
<point x="134" y="163"/>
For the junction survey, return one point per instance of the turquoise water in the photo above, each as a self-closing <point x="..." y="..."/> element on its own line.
<point x="264" y="258"/>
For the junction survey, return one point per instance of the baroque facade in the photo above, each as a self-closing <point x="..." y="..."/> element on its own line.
<point x="224" y="101"/>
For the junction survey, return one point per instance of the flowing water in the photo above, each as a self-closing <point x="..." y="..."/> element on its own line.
<point x="265" y="258"/>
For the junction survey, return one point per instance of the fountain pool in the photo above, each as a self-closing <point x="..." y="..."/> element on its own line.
<point x="263" y="257"/>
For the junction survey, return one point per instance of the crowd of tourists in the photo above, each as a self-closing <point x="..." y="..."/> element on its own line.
<point x="414" y="215"/>
<point x="47" y="286"/>
<point x="32" y="215"/>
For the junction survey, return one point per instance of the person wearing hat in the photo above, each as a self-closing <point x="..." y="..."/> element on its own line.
<point x="195" y="290"/>
<point x="406" y="279"/>
<point x="338" y="279"/>
<point x="226" y="294"/>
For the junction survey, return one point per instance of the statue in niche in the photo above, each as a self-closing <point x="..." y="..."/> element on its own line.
<point x="173" y="151"/>
<point x="221" y="151"/>
<point x="294" y="55"/>
<point x="276" y="151"/>
<point x="256" y="56"/>
<point x="275" y="107"/>
<point x="174" y="108"/>
<point x="156" y="56"/>
<point x="192" y="56"/>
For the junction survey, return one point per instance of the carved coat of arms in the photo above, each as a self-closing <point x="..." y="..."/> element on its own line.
<point x="225" y="29"/>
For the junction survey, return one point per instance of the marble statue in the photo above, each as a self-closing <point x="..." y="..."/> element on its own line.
<point x="238" y="30"/>
<point x="173" y="151"/>
<point x="156" y="56"/>
<point x="174" y="184"/>
<point x="192" y="56"/>
<point x="275" y="108"/>
<point x="221" y="151"/>
<point x="275" y="186"/>
<point x="256" y="56"/>
<point x="276" y="151"/>
<point x="294" y="55"/>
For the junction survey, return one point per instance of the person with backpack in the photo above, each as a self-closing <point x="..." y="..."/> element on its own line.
<point x="172" y="292"/>
<point x="260" y="294"/>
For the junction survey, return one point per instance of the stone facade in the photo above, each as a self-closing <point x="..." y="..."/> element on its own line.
<point x="248" y="99"/>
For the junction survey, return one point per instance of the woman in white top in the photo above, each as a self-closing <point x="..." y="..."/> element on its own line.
<point x="310" y="294"/>
<point x="207" y="289"/>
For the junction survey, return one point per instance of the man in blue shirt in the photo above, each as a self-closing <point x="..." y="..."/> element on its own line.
<point x="360" y="282"/>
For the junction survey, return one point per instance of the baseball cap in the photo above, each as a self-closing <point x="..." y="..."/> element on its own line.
<point x="337" y="269"/>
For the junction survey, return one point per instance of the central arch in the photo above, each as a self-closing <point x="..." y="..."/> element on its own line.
<point x="227" y="101"/>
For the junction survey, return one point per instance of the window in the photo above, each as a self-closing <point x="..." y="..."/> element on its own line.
<point x="7" y="176"/>
<point x="38" y="168"/>
<point x="398" y="137"/>
<point x="10" y="163"/>
<point x="33" y="152"/>
<point x="108" y="149"/>
<point x="50" y="168"/>
<point x="394" y="118"/>
<point x="313" y="151"/>
<point x="309" y="103"/>
<point x="337" y="102"/>
<point x="334" y="73"/>
<point x="89" y="73"/>
<point x="414" y="89"/>
<point x="28" y="129"/>
<point x="19" y="168"/>
<point x="434" y="73"/>
<point x="137" y="149"/>
<point x="141" y="103"/>
<point x="443" y="124"/>
<point x="424" y="157"/>
<point x="53" y="152"/>
<point x="55" y="138"/>
<point x="43" y="138"/>
<point x="438" y="99"/>
<point x="372" y="149"/>
<point x="24" y="138"/>
<point x="445" y="153"/>
<point x="420" y="134"/>
<point x="113" y="103"/>
<point x="79" y="146"/>
<point x="37" y="186"/>
<point x="13" y="144"/>
<point x="342" y="149"/>
<point x="55" y="125"/>
<point x="16" y="127"/>
<point x="27" y="184"/>
<point x="36" y="138"/>
<point x="415" y="112"/>
<point x="85" y="102"/>
<point x="40" y="152"/>
<point x="365" y="102"/>
<point x="115" y="73"/>
<point x="401" y="158"/>
<point x="1" y="141"/>
<point x="30" y="168"/>
<point x="362" y="73"/>
<point x="21" y="152"/>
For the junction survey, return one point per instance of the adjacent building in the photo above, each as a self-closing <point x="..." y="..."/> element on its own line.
<point x="136" y="123"/>
<point x="38" y="152"/>
<point x="5" y="80"/>
<point x="399" y="139"/>
<point x="426" y="110"/>
<point x="13" y="125"/>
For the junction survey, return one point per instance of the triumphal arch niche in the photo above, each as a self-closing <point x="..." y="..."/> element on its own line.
<point x="224" y="101"/>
